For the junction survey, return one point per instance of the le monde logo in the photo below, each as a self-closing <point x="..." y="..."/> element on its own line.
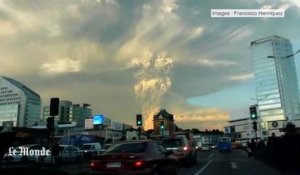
<point x="24" y="151"/>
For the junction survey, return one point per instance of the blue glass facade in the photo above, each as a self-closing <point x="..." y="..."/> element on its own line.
<point x="275" y="79"/>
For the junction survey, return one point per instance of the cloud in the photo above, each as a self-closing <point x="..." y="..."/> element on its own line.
<point x="295" y="2"/>
<point x="64" y="65"/>
<point x="203" y="118"/>
<point x="241" y="77"/>
<point x="215" y="63"/>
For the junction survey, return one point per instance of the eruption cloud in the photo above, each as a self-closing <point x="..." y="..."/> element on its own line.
<point x="153" y="82"/>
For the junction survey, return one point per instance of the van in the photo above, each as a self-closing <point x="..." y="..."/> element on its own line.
<point x="224" y="144"/>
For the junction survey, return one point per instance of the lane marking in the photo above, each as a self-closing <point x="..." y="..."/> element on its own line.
<point x="233" y="165"/>
<point x="211" y="155"/>
<point x="203" y="168"/>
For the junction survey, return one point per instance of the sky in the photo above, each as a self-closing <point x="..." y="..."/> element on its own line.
<point x="92" y="51"/>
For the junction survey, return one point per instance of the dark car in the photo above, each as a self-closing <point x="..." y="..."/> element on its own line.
<point x="184" y="152"/>
<point x="135" y="157"/>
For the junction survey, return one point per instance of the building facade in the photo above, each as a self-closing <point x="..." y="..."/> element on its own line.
<point x="18" y="104"/>
<point x="276" y="84"/>
<point x="242" y="130"/>
<point x="69" y="112"/>
<point x="165" y="118"/>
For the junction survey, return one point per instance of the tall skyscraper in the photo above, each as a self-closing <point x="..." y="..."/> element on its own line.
<point x="19" y="105"/>
<point x="276" y="84"/>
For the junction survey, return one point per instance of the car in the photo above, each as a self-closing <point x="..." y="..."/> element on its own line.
<point x="205" y="147"/>
<point x="19" y="153"/>
<point x="181" y="149"/>
<point x="213" y="146"/>
<point x="143" y="157"/>
<point x="105" y="148"/>
<point x="67" y="153"/>
<point x="224" y="144"/>
<point x="90" y="149"/>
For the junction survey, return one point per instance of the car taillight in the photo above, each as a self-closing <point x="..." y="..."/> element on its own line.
<point x="185" y="148"/>
<point x="138" y="163"/>
<point x="95" y="164"/>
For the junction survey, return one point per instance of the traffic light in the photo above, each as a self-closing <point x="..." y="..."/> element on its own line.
<point x="139" y="120"/>
<point x="254" y="125"/>
<point x="253" y="112"/>
<point x="50" y="123"/>
<point x="54" y="106"/>
<point x="162" y="125"/>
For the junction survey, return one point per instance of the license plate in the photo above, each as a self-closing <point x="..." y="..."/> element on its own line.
<point x="113" y="165"/>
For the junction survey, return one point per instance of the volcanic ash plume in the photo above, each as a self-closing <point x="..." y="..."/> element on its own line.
<point x="153" y="82"/>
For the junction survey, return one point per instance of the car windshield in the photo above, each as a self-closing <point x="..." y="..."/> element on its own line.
<point x="136" y="147"/>
<point x="172" y="143"/>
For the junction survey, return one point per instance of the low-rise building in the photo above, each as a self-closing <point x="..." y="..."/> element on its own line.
<point x="242" y="130"/>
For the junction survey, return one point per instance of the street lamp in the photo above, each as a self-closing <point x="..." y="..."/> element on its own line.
<point x="264" y="97"/>
<point x="298" y="51"/>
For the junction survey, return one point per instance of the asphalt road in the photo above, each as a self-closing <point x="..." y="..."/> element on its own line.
<point x="208" y="163"/>
<point x="235" y="163"/>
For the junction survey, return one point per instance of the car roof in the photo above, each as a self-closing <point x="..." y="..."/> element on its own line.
<point x="65" y="145"/>
<point x="137" y="141"/>
<point x="29" y="145"/>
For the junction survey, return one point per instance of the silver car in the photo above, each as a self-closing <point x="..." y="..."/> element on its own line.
<point x="67" y="153"/>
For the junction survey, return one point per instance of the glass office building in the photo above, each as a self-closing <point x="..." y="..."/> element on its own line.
<point x="276" y="84"/>
<point x="18" y="103"/>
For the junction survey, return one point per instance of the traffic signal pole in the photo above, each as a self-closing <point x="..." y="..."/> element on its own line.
<point x="255" y="129"/>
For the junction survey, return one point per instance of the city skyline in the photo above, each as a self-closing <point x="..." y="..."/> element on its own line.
<point x="82" y="51"/>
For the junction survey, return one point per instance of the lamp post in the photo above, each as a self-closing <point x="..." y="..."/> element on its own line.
<point x="288" y="56"/>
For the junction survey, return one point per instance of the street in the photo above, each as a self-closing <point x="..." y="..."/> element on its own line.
<point x="235" y="163"/>
<point x="210" y="163"/>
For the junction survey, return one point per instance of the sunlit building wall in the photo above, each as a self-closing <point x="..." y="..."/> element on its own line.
<point x="275" y="79"/>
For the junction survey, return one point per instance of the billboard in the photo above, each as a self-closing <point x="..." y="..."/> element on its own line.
<point x="98" y="119"/>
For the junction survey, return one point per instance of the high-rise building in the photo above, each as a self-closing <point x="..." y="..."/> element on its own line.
<point x="69" y="112"/>
<point x="19" y="105"/>
<point x="276" y="84"/>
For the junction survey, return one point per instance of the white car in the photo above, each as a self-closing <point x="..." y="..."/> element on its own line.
<point x="67" y="153"/>
<point x="18" y="154"/>
<point x="205" y="147"/>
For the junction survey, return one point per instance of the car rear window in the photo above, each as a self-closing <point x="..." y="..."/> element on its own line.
<point x="171" y="143"/>
<point x="224" y="139"/>
<point x="136" y="147"/>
